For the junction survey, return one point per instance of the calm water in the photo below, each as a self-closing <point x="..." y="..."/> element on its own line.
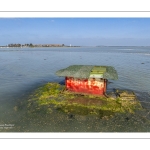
<point x="22" y="70"/>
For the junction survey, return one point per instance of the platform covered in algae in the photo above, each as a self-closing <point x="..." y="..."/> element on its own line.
<point x="54" y="96"/>
<point x="51" y="108"/>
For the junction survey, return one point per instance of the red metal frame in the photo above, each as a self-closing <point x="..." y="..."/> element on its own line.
<point x="89" y="86"/>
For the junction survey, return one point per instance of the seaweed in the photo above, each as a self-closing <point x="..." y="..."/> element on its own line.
<point x="54" y="97"/>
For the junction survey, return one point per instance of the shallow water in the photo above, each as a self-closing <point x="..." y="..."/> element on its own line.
<point x="25" y="69"/>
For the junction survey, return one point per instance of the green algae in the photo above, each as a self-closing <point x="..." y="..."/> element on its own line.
<point x="53" y="96"/>
<point x="51" y="108"/>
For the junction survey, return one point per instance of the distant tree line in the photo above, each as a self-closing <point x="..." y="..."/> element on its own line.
<point x="20" y="45"/>
<point x="38" y="45"/>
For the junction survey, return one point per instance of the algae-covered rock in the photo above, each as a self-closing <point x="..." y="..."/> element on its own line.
<point x="126" y="95"/>
<point x="54" y="97"/>
<point x="112" y="95"/>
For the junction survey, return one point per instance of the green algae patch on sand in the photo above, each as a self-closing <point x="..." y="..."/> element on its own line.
<point x="54" y="97"/>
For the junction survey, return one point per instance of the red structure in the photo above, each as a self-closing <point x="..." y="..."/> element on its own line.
<point x="87" y="79"/>
<point x="89" y="86"/>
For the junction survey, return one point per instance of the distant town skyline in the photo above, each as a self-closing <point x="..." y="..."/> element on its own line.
<point x="76" y="31"/>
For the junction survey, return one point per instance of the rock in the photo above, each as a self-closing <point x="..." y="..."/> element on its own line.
<point x="126" y="95"/>
<point x="112" y="95"/>
<point x="71" y="116"/>
<point x="126" y="118"/>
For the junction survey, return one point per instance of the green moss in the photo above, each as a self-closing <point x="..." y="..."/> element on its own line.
<point x="53" y="96"/>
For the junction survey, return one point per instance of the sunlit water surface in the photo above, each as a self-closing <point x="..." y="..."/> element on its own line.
<point x="22" y="70"/>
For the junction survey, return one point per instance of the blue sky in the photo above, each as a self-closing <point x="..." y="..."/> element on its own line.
<point x="76" y="31"/>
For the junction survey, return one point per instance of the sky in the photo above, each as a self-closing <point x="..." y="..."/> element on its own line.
<point x="76" y="31"/>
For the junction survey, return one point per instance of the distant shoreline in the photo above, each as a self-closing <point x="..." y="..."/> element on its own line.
<point x="62" y="46"/>
<point x="37" y="47"/>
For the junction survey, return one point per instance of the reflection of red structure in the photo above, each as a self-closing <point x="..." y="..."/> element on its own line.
<point x="89" y="86"/>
